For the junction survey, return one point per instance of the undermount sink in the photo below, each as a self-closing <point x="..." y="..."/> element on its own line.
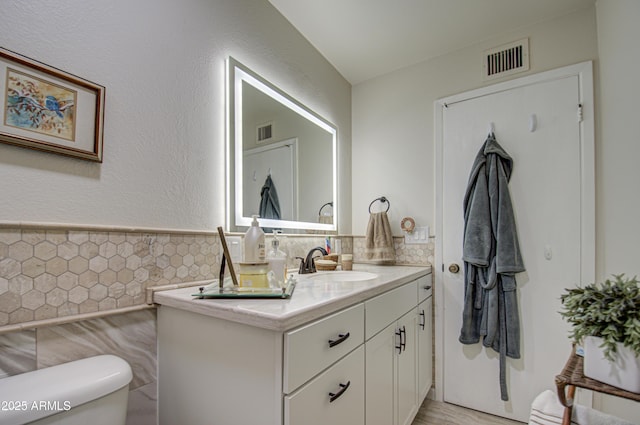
<point x="340" y="276"/>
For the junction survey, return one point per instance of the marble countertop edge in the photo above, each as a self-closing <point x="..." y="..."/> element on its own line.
<point x="310" y="300"/>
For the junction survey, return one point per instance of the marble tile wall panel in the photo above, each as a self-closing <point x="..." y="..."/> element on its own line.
<point x="142" y="408"/>
<point x="131" y="336"/>
<point x="18" y="353"/>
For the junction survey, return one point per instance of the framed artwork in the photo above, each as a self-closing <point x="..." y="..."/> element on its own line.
<point x="50" y="110"/>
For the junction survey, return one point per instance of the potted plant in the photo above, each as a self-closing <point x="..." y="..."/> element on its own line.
<point x="605" y="318"/>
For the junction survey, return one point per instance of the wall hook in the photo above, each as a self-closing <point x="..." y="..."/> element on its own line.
<point x="533" y="122"/>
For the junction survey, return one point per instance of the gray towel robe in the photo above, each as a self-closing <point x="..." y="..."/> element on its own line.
<point x="491" y="256"/>
<point x="269" y="203"/>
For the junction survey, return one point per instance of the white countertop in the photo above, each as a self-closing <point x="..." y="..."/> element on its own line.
<point x="310" y="300"/>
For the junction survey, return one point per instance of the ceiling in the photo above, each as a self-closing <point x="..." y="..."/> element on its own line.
<point x="366" y="38"/>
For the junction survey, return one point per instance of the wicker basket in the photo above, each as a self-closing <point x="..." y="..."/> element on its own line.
<point x="325" y="265"/>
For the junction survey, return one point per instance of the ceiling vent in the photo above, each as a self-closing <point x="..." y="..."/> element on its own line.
<point x="506" y="59"/>
<point x="264" y="132"/>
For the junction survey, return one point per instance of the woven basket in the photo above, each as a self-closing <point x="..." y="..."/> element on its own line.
<point x="325" y="265"/>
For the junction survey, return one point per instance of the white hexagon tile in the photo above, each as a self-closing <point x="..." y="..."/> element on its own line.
<point x="54" y="273"/>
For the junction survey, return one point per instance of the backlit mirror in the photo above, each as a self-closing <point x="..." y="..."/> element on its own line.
<point x="281" y="159"/>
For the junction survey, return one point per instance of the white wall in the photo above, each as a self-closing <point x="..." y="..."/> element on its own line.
<point x="393" y="147"/>
<point x="618" y="144"/>
<point x="393" y="144"/>
<point x="617" y="153"/>
<point x="162" y="63"/>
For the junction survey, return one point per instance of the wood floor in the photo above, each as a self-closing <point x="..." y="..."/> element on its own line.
<point x="438" y="413"/>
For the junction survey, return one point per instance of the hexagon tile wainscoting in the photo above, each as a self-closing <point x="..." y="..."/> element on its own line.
<point x="46" y="274"/>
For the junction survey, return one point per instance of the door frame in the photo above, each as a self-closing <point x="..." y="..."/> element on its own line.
<point x="584" y="72"/>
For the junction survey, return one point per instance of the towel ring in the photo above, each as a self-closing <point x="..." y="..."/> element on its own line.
<point x="328" y="203"/>
<point x="383" y="200"/>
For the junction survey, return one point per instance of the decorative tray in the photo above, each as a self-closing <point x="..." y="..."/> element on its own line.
<point x="244" y="292"/>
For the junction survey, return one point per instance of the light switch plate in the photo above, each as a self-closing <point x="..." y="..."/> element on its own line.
<point x="420" y="235"/>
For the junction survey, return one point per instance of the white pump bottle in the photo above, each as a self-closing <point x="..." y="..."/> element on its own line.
<point x="254" y="245"/>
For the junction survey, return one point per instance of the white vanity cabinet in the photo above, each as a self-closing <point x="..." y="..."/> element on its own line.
<point x="357" y="364"/>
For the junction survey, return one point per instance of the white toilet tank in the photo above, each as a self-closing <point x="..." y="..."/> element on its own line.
<point x="91" y="391"/>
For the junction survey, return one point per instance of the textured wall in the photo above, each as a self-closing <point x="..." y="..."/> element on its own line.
<point x="163" y="65"/>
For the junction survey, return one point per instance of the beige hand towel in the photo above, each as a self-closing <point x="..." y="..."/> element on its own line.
<point x="379" y="247"/>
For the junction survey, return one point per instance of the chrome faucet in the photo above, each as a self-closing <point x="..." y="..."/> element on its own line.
<point x="308" y="265"/>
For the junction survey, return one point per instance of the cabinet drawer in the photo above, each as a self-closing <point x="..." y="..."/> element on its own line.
<point x="343" y="382"/>
<point x="314" y="347"/>
<point x="424" y="288"/>
<point x="388" y="307"/>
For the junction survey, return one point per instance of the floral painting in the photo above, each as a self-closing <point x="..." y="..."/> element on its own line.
<point x="40" y="106"/>
<point x="46" y="109"/>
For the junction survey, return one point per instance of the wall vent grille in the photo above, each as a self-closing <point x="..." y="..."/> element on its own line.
<point x="264" y="132"/>
<point x="506" y="59"/>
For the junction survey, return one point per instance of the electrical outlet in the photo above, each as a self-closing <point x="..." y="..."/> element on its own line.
<point x="420" y="235"/>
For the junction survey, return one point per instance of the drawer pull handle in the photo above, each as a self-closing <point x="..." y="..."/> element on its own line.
<point x="341" y="338"/>
<point x="403" y="338"/>
<point x="334" y="396"/>
<point x="423" y="319"/>
<point x="399" y="335"/>
<point x="426" y="287"/>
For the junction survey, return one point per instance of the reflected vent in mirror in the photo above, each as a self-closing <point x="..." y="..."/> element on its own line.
<point x="265" y="132"/>
<point x="506" y="59"/>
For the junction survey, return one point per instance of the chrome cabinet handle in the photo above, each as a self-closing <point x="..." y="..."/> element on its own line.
<point x="341" y="338"/>
<point x="334" y="396"/>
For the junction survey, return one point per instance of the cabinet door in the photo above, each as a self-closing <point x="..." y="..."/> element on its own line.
<point x="425" y="371"/>
<point x="335" y="397"/>
<point x="407" y="382"/>
<point x="380" y="378"/>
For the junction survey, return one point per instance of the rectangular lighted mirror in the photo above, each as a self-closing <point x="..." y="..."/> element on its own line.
<point x="281" y="158"/>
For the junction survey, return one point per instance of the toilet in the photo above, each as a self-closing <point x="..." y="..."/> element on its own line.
<point x="91" y="391"/>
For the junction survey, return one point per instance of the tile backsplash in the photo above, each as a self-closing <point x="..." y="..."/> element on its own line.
<point x="50" y="273"/>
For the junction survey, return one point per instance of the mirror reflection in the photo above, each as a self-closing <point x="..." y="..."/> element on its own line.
<point x="282" y="159"/>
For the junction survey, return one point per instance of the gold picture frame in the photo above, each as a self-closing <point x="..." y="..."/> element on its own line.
<point x="50" y="110"/>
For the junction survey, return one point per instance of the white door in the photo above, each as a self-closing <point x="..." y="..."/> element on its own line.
<point x="538" y="124"/>
<point x="279" y="160"/>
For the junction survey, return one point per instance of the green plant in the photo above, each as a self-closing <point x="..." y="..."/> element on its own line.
<point x="609" y="310"/>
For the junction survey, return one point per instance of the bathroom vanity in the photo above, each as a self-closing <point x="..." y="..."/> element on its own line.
<point x="345" y="349"/>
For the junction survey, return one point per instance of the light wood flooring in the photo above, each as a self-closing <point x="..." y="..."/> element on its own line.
<point x="437" y="413"/>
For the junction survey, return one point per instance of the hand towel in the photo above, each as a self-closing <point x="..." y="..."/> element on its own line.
<point x="547" y="410"/>
<point x="379" y="247"/>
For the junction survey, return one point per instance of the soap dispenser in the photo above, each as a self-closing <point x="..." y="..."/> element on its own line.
<point x="254" y="245"/>
<point x="277" y="260"/>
